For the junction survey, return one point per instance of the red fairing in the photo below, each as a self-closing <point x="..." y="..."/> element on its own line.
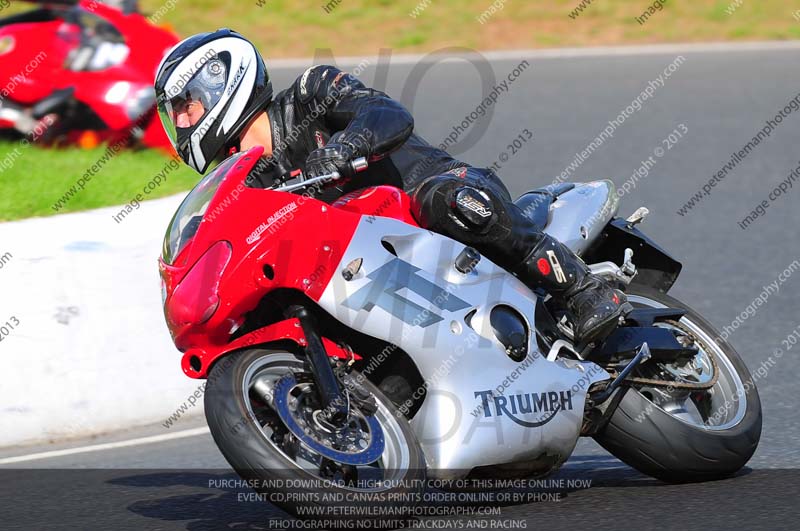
<point x="59" y="48"/>
<point x="384" y="201"/>
<point x="16" y="53"/>
<point x="286" y="330"/>
<point x="276" y="240"/>
<point x="250" y="242"/>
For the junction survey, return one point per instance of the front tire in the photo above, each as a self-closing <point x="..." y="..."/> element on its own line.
<point x="714" y="441"/>
<point x="249" y="435"/>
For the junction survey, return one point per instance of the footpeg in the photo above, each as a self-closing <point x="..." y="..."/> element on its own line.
<point x="637" y="217"/>
<point x="628" y="269"/>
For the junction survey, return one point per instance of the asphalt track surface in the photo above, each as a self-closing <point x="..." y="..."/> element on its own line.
<point x="722" y="99"/>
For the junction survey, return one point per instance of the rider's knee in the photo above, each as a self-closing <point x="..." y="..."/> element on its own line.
<point x="447" y="203"/>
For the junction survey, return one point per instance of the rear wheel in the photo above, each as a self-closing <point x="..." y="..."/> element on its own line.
<point x="264" y="415"/>
<point x="683" y="435"/>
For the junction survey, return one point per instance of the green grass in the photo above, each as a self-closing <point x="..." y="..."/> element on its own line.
<point x="33" y="179"/>
<point x="295" y="28"/>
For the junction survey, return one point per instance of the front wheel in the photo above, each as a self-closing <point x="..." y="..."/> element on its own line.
<point x="263" y="411"/>
<point x="680" y="435"/>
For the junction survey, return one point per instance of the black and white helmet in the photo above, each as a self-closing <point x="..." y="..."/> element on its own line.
<point x="208" y="88"/>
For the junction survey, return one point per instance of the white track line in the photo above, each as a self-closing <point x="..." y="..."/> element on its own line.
<point x="559" y="53"/>
<point x="106" y="446"/>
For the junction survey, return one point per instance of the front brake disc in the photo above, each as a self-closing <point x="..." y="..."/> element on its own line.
<point x="350" y="446"/>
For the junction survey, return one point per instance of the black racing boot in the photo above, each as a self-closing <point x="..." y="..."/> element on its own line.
<point x="595" y="305"/>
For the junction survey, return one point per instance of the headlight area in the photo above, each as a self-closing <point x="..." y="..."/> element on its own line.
<point x="196" y="297"/>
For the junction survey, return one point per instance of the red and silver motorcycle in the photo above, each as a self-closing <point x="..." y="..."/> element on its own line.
<point x="345" y="344"/>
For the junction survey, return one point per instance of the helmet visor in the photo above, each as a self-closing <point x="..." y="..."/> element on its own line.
<point x="184" y="104"/>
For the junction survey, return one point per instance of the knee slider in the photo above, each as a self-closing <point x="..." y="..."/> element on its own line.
<point x="446" y="204"/>
<point x="473" y="208"/>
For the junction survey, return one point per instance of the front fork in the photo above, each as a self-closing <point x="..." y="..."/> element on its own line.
<point x="330" y="393"/>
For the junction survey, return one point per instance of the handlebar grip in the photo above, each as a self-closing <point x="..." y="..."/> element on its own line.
<point x="356" y="165"/>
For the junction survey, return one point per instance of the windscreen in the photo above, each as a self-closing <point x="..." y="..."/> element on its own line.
<point x="187" y="218"/>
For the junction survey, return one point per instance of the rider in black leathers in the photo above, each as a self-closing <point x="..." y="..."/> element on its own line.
<point x="328" y="118"/>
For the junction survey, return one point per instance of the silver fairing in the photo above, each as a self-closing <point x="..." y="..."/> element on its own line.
<point x="476" y="410"/>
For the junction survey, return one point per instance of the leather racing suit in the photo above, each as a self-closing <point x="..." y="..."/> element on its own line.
<point x="328" y="117"/>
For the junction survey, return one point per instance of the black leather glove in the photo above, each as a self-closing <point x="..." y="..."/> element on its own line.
<point x="334" y="157"/>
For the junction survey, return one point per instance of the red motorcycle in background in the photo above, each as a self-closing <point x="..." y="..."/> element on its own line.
<point x="83" y="72"/>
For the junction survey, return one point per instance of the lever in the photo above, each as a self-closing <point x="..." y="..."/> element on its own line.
<point x="358" y="165"/>
<point x="642" y="355"/>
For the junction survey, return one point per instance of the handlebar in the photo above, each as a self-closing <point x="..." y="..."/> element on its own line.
<point x="357" y="165"/>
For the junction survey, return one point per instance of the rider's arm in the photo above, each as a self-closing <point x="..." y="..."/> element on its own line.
<point x="370" y="121"/>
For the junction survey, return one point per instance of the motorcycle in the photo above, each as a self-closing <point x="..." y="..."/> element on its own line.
<point x="81" y="72"/>
<point x="344" y="344"/>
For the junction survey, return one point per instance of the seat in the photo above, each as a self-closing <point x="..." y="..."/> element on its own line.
<point x="536" y="203"/>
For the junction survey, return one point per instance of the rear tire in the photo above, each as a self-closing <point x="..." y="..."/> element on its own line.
<point x="657" y="443"/>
